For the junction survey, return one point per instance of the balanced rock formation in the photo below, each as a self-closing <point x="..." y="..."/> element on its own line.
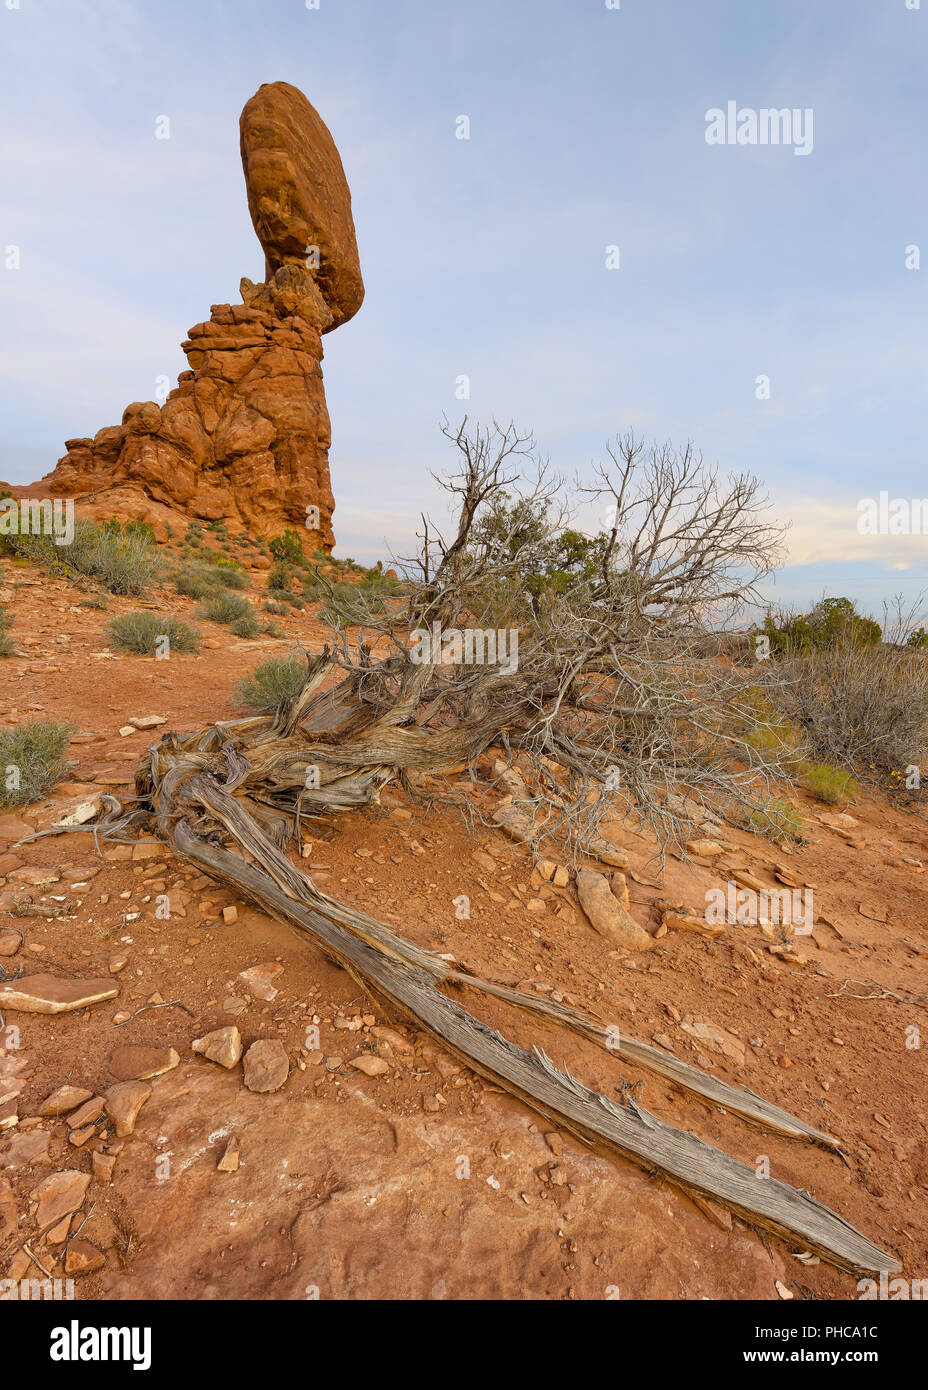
<point x="244" y="437"/>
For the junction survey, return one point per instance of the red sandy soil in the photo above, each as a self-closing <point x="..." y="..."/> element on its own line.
<point x="426" y="1182"/>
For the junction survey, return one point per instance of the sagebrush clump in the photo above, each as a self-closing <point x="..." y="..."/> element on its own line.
<point x="148" y="633"/>
<point x="271" y="683"/>
<point x="33" y="757"/>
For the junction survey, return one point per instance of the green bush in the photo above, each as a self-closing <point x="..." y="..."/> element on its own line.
<point x="225" y="607"/>
<point x="246" y="626"/>
<point x="832" y="622"/>
<point x="125" y="563"/>
<point x="280" y="610"/>
<point x="271" y="683"/>
<point x="7" y="643"/>
<point x="778" y="822"/>
<point x="205" y="581"/>
<point x="279" y="580"/>
<point x="830" y="784"/>
<point x="142" y="633"/>
<point x="288" y="548"/>
<point x="32" y="757"/>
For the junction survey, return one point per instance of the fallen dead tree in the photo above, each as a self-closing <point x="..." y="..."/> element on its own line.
<point x="617" y="696"/>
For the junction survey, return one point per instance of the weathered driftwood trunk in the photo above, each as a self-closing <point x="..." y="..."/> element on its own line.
<point x="245" y="784"/>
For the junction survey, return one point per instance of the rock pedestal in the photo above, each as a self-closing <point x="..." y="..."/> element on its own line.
<point x="244" y="437"/>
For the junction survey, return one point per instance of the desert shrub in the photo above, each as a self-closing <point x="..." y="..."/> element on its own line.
<point x="96" y="601"/>
<point x="141" y="633"/>
<point x="196" y="581"/>
<point x="32" y="757"/>
<point x="230" y="574"/>
<point x="136" y="527"/>
<point x="288" y="548"/>
<point x="279" y="579"/>
<point x="777" y="821"/>
<point x="272" y="630"/>
<point x="833" y="785"/>
<point x="225" y="607"/>
<point x="860" y="707"/>
<point x="205" y="581"/>
<point x="280" y="610"/>
<point x="832" y="622"/>
<point x="271" y="683"/>
<point x="7" y="643"/>
<point x="125" y="563"/>
<point x="313" y="588"/>
<point x="246" y="626"/>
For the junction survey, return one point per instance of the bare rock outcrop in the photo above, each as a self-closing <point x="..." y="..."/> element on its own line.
<point x="245" y="435"/>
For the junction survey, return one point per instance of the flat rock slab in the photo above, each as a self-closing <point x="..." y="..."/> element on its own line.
<point x="59" y="1194"/>
<point x="54" y="994"/>
<point x="266" y="1065"/>
<point x="83" y="1258"/>
<point x="64" y="1099"/>
<point x="142" y="1063"/>
<point x="23" y="1150"/>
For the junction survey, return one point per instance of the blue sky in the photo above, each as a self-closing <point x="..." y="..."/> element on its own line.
<point x="486" y="257"/>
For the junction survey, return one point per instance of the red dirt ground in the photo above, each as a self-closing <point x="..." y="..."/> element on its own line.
<point x="425" y="1182"/>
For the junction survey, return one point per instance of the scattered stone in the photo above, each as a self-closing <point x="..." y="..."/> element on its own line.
<point x="64" y="1099"/>
<point x="704" y="849"/>
<point x="60" y="1232"/>
<point x="88" y="1112"/>
<point x="224" y="1046"/>
<point x="259" y="980"/>
<point x="35" y="878"/>
<point x="148" y="721"/>
<point x="126" y="730"/>
<point x="53" y="994"/>
<point x="10" y="942"/>
<point x="230" y="1159"/>
<point x="679" y="921"/>
<point x="142" y="1063"/>
<point x="25" y="1149"/>
<point x="369" y="1064"/>
<point x="101" y="1166"/>
<point x="607" y="915"/>
<point x="83" y="1257"/>
<point x="266" y="1065"/>
<point x="230" y="915"/>
<point x="117" y="962"/>
<point x="234" y="1004"/>
<point x="59" y="1194"/>
<point x="123" y="1103"/>
<point x="715" y="1038"/>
